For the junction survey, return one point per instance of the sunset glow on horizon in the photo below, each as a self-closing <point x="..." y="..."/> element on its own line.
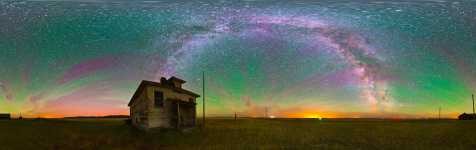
<point x="283" y="59"/>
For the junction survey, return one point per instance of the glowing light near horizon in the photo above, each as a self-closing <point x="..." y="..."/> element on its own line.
<point x="317" y="60"/>
<point x="313" y="116"/>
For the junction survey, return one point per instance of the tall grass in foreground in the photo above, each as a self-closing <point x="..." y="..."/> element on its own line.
<point x="241" y="134"/>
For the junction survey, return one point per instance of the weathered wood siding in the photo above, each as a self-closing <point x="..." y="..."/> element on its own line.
<point x="139" y="111"/>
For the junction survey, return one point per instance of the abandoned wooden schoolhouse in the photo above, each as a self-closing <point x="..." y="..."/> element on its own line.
<point x="163" y="105"/>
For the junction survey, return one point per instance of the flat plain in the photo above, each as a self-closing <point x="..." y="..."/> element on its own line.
<point x="244" y="133"/>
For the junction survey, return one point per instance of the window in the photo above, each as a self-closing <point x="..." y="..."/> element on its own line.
<point x="190" y="100"/>
<point x="158" y="99"/>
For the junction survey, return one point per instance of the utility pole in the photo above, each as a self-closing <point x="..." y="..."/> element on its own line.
<point x="439" y="113"/>
<point x="203" y="98"/>
<point x="473" y="105"/>
<point x="265" y="112"/>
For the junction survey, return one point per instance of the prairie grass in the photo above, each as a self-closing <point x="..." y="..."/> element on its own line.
<point x="219" y="134"/>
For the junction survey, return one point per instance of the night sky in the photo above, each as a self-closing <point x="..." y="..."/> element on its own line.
<point x="296" y="59"/>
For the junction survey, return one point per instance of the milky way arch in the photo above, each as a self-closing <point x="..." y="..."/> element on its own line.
<point x="350" y="46"/>
<point x="346" y="58"/>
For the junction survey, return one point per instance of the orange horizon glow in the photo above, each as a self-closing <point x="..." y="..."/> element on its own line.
<point x="53" y="116"/>
<point x="301" y="114"/>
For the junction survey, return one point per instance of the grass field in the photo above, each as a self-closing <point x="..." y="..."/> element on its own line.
<point x="241" y="134"/>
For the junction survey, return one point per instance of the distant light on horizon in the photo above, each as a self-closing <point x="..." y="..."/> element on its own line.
<point x="319" y="60"/>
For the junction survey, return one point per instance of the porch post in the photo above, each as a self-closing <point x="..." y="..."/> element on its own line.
<point x="178" y="115"/>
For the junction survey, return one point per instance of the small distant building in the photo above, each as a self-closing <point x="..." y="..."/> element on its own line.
<point x="163" y="105"/>
<point x="5" y="116"/>
<point x="466" y="116"/>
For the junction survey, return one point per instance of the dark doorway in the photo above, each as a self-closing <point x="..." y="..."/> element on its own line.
<point x="182" y="114"/>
